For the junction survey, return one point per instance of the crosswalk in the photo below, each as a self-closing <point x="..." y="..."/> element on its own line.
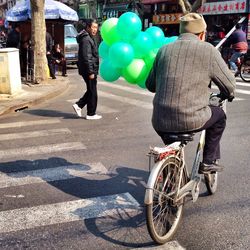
<point x="135" y="96"/>
<point x="14" y="178"/>
<point x="29" y="216"/>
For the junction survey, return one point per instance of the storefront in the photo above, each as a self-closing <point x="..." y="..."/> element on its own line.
<point x="166" y="15"/>
<point x="221" y="16"/>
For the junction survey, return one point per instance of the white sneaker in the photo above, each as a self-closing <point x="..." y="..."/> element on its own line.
<point x="78" y="110"/>
<point x="93" y="117"/>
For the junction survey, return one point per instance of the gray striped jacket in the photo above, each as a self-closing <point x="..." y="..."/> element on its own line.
<point x="180" y="78"/>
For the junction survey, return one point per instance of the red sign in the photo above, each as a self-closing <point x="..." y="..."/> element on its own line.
<point x="228" y="7"/>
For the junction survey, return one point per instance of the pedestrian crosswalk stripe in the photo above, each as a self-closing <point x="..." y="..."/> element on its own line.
<point x="125" y="88"/>
<point x="44" y="215"/>
<point x="51" y="174"/>
<point x="126" y="100"/>
<point x="28" y="123"/>
<point x="242" y="91"/>
<point x="101" y="108"/>
<point x="44" y="149"/>
<point x="244" y="84"/>
<point x="32" y="134"/>
<point x="171" y="245"/>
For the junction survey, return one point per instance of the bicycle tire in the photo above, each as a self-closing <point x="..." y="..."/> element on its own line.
<point x="211" y="181"/>
<point x="245" y="72"/>
<point x="161" y="229"/>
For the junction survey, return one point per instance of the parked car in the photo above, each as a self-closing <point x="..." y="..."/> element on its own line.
<point x="70" y="44"/>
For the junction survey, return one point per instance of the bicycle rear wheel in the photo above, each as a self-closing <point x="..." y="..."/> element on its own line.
<point x="211" y="181"/>
<point x="163" y="216"/>
<point x="245" y="72"/>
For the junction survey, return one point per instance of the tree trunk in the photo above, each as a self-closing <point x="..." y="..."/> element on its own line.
<point x="38" y="28"/>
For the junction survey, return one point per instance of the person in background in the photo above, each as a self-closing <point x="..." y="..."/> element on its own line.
<point x="49" y="45"/>
<point x="180" y="79"/>
<point x="14" y="37"/>
<point x="238" y="42"/>
<point x="88" y="66"/>
<point x="59" y="59"/>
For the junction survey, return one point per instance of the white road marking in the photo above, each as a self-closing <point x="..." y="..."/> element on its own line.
<point x="44" y="215"/>
<point x="237" y="90"/>
<point x="244" y="84"/>
<point x="171" y="245"/>
<point x="33" y="134"/>
<point x="126" y="100"/>
<point x="125" y="88"/>
<point x="44" y="149"/>
<point x="28" y="123"/>
<point x="51" y="174"/>
<point x="101" y="108"/>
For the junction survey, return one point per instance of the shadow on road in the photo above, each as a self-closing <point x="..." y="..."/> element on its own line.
<point x="121" y="228"/>
<point x="52" y="113"/>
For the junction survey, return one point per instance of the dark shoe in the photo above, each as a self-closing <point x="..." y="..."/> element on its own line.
<point x="209" y="168"/>
<point x="237" y="73"/>
<point x="53" y="77"/>
<point x="65" y="75"/>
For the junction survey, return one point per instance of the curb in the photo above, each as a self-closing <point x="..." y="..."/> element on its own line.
<point x="15" y="104"/>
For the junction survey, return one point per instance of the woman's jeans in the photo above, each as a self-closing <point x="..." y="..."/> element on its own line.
<point x="234" y="59"/>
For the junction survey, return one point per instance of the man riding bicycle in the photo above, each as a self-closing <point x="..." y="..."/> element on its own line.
<point x="239" y="44"/>
<point x="180" y="78"/>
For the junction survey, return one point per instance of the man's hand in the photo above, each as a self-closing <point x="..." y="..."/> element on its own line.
<point x="92" y="76"/>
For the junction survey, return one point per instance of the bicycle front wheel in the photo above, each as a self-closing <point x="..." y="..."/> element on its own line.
<point x="163" y="215"/>
<point x="211" y="181"/>
<point x="245" y="72"/>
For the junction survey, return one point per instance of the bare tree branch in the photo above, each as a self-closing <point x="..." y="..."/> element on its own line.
<point x="197" y="4"/>
<point x="185" y="6"/>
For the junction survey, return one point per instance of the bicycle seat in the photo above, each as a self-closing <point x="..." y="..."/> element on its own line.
<point x="173" y="137"/>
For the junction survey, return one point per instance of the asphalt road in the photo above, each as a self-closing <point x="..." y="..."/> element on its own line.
<point x="69" y="183"/>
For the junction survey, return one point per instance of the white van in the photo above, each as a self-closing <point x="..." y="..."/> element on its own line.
<point x="70" y="44"/>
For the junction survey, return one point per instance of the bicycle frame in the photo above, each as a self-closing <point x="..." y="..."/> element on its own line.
<point x="192" y="186"/>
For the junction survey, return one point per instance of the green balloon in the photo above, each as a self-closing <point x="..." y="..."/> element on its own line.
<point x="103" y="50"/>
<point x="142" y="84"/>
<point x="129" y="25"/>
<point x="108" y="72"/>
<point x="157" y="36"/>
<point x="171" y="39"/>
<point x="150" y="58"/>
<point x="135" y="72"/>
<point x="109" y="31"/>
<point x="142" y="44"/>
<point x="121" y="54"/>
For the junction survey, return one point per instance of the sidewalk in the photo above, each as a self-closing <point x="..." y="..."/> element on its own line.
<point x="32" y="94"/>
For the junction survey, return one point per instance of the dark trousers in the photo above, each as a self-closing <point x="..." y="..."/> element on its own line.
<point x="214" y="129"/>
<point x="63" y="64"/>
<point x="90" y="96"/>
<point x="51" y="66"/>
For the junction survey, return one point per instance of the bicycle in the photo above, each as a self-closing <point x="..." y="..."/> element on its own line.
<point x="244" y="67"/>
<point x="169" y="182"/>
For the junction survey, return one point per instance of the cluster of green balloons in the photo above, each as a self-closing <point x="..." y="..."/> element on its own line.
<point x="127" y="51"/>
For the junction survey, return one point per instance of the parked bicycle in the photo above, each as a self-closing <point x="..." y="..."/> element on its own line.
<point x="169" y="182"/>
